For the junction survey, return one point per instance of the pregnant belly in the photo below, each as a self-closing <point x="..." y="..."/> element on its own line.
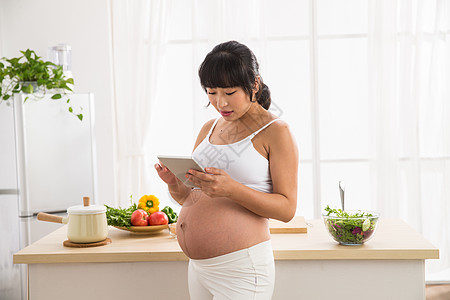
<point x="209" y="227"/>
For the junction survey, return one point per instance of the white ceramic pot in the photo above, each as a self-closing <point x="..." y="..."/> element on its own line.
<point x="86" y="223"/>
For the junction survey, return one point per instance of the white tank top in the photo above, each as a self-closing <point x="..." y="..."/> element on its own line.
<point x="240" y="160"/>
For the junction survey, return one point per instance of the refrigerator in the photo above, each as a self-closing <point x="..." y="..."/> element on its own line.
<point x="47" y="164"/>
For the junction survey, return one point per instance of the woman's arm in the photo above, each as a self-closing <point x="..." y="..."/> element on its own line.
<point x="283" y="161"/>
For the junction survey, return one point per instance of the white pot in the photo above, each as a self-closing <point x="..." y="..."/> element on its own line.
<point x="86" y="223"/>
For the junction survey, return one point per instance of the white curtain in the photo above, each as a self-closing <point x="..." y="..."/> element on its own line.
<point x="409" y="80"/>
<point x="139" y="38"/>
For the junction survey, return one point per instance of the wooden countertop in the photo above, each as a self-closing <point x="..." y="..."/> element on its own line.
<point x="394" y="239"/>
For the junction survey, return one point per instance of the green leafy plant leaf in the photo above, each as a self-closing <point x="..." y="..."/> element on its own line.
<point x="28" y="89"/>
<point x="17" y="72"/>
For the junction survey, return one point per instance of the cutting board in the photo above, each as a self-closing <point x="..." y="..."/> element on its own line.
<point x="296" y="225"/>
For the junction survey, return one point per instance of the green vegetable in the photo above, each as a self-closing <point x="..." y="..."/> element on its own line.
<point x="120" y="216"/>
<point x="349" y="228"/>
<point x="173" y="217"/>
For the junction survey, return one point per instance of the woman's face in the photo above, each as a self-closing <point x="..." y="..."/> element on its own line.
<point x="232" y="103"/>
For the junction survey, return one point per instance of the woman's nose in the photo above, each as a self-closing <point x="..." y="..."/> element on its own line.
<point x="221" y="102"/>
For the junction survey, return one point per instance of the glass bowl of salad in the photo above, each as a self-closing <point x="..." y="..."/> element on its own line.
<point x="350" y="227"/>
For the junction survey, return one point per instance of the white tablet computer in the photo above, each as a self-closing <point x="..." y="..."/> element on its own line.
<point x="180" y="165"/>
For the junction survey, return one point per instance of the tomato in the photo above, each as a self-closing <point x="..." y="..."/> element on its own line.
<point x="158" y="218"/>
<point x="139" y="217"/>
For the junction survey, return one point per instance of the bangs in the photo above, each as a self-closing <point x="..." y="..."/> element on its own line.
<point x="222" y="70"/>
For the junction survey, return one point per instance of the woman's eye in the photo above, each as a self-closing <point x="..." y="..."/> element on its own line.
<point x="211" y="93"/>
<point x="229" y="94"/>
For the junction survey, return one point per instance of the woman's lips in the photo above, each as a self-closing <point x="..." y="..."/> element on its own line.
<point x="226" y="113"/>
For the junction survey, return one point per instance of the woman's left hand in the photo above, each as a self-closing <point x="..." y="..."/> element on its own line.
<point x="214" y="183"/>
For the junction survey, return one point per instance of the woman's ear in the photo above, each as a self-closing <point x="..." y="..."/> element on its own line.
<point x="256" y="85"/>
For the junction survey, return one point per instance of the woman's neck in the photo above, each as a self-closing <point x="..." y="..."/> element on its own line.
<point x="255" y="117"/>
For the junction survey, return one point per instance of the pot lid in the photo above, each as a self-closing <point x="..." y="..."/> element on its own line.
<point x="86" y="209"/>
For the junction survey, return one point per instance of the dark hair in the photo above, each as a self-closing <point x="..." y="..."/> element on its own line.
<point x="232" y="64"/>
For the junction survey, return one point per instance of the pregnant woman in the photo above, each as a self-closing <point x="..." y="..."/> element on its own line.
<point x="251" y="162"/>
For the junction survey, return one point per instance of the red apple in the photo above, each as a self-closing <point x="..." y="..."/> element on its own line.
<point x="139" y="217"/>
<point x="158" y="218"/>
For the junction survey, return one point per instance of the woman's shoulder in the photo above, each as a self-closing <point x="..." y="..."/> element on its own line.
<point x="207" y="126"/>
<point x="204" y="132"/>
<point x="277" y="125"/>
<point x="278" y="138"/>
<point x="278" y="130"/>
<point x="282" y="125"/>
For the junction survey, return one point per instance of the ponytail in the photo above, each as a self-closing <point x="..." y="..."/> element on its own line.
<point x="263" y="96"/>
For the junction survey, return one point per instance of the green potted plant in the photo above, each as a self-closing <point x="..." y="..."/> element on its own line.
<point x="31" y="75"/>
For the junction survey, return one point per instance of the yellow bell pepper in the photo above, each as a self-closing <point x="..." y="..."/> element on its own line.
<point x="149" y="203"/>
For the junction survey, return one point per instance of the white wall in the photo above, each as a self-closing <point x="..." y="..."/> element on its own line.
<point x="85" y="25"/>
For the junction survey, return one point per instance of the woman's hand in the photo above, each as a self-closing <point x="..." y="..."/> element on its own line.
<point x="177" y="189"/>
<point x="167" y="176"/>
<point x="214" y="183"/>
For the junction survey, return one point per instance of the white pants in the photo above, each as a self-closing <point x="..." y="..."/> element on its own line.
<point x="247" y="274"/>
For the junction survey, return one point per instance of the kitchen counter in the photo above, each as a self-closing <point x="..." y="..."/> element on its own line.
<point x="391" y="263"/>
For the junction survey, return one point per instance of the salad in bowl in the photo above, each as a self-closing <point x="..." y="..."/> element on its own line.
<point x="350" y="227"/>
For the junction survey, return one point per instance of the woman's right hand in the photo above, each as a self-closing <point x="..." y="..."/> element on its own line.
<point x="165" y="174"/>
<point x="177" y="189"/>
